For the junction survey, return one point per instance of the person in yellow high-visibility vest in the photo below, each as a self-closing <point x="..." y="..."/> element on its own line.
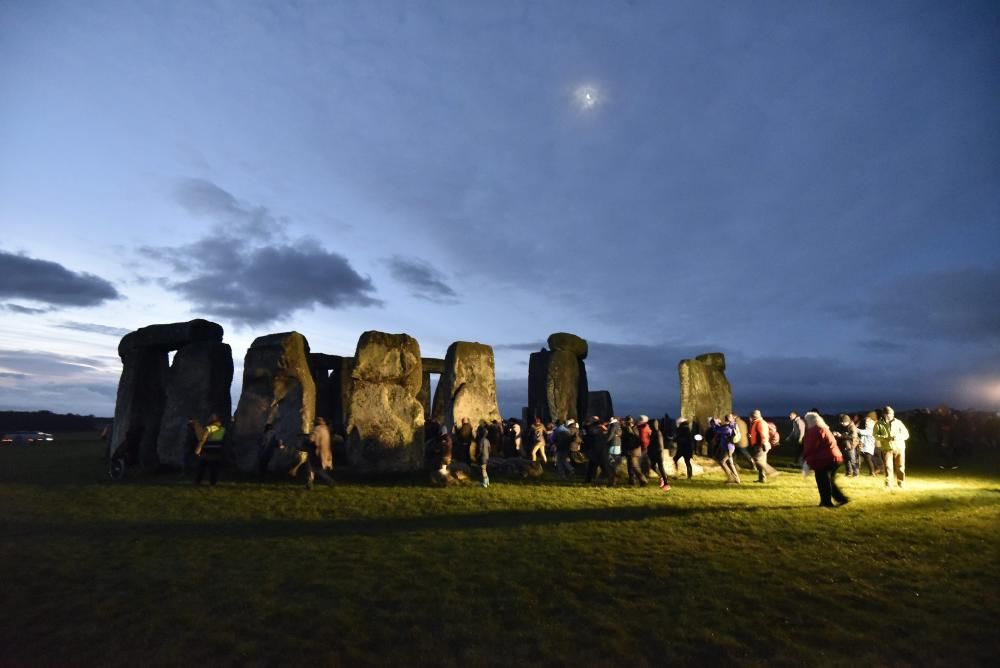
<point x="209" y="448"/>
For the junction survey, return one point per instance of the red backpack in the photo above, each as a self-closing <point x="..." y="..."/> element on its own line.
<point x="773" y="437"/>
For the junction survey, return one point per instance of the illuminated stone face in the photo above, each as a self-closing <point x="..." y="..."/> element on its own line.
<point x="587" y="97"/>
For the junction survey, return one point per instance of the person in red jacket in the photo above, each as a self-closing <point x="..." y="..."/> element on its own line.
<point x="820" y="451"/>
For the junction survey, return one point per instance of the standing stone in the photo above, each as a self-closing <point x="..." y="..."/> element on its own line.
<point x="431" y="365"/>
<point x="142" y="388"/>
<point x="705" y="390"/>
<point x="278" y="388"/>
<point x="557" y="379"/>
<point x="385" y="420"/>
<point x="468" y="386"/>
<point x="599" y="404"/>
<point x="139" y="406"/>
<point x="197" y="385"/>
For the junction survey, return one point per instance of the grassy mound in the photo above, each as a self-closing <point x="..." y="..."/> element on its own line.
<point x="156" y="571"/>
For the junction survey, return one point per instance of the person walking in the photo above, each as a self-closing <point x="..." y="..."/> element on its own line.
<point x="820" y="451"/>
<point x="847" y="441"/>
<point x="891" y="435"/>
<point x="483" y="453"/>
<point x="656" y="451"/>
<point x="321" y="457"/>
<point x="632" y="447"/>
<point x="760" y="443"/>
<point x="723" y="437"/>
<point x="866" y="438"/>
<point x="599" y="452"/>
<point x="538" y="441"/>
<point x="795" y="435"/>
<point x="465" y="437"/>
<point x="685" y="446"/>
<point x="614" y="431"/>
<point x="209" y="449"/>
<point x="645" y="433"/>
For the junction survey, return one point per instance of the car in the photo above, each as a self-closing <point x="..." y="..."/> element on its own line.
<point x="24" y="437"/>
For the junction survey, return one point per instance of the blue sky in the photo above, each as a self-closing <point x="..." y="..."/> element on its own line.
<point x="812" y="188"/>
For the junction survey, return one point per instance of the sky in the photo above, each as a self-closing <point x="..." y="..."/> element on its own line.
<point x="811" y="188"/>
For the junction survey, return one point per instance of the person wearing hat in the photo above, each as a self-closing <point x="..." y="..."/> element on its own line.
<point x="645" y="434"/>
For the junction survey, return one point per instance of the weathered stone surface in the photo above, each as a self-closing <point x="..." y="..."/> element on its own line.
<point x="433" y="365"/>
<point x="538" y="401"/>
<point x="278" y="388"/>
<point x="705" y="390"/>
<point x="140" y="402"/>
<point x="569" y="342"/>
<point x="171" y="336"/>
<point x="562" y="385"/>
<point x="468" y="386"/>
<point x="197" y="385"/>
<point x="599" y="404"/>
<point x="385" y="420"/>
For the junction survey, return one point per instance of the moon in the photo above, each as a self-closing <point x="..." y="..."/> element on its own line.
<point x="587" y="96"/>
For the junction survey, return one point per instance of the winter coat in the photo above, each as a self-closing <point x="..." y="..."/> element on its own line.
<point x="759" y="434"/>
<point x="819" y="449"/>
<point x="630" y="439"/>
<point x="656" y="443"/>
<point x="722" y="437"/>
<point x="615" y="434"/>
<point x="685" y="443"/>
<point x="891" y="435"/>
<point x="644" y="431"/>
<point x="847" y="437"/>
<point x="798" y="431"/>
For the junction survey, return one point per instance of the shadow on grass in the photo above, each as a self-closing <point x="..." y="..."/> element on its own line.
<point x="284" y="528"/>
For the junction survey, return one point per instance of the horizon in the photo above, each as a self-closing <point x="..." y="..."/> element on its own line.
<point x="809" y="189"/>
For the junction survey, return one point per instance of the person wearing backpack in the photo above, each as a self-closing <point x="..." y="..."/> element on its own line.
<point x="891" y="435"/>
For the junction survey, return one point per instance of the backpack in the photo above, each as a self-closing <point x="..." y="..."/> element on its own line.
<point x="736" y="434"/>
<point x="773" y="437"/>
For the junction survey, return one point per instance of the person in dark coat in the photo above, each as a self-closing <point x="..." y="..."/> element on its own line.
<point x="599" y="452"/>
<point x="465" y="435"/>
<point x="655" y="453"/>
<point x="820" y="451"/>
<point x="685" y="446"/>
<point x="632" y="447"/>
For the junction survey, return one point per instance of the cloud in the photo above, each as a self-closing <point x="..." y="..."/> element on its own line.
<point x="424" y="280"/>
<point x="41" y="363"/>
<point x="957" y="305"/>
<point x="246" y="268"/>
<point x="93" y="328"/>
<point x="51" y="283"/>
<point x="24" y="310"/>
<point x="11" y="374"/>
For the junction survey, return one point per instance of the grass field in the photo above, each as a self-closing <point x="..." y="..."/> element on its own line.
<point x="156" y="571"/>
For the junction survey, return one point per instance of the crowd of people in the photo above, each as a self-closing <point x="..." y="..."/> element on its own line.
<point x="598" y="448"/>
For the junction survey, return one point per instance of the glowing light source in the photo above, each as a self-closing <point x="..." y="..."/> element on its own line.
<point x="587" y="96"/>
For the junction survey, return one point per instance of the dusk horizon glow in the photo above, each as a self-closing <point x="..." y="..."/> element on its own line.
<point x="810" y="189"/>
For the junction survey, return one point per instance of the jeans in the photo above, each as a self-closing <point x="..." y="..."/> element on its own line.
<point x="656" y="464"/>
<point x="745" y="452"/>
<point x="851" y="466"/>
<point x="870" y="462"/>
<point x="826" y="483"/>
<point x="729" y="467"/>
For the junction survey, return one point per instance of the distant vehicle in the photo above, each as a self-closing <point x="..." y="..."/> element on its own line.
<point x="25" y="437"/>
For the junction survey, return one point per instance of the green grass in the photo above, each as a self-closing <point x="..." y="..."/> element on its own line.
<point x="156" y="571"/>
